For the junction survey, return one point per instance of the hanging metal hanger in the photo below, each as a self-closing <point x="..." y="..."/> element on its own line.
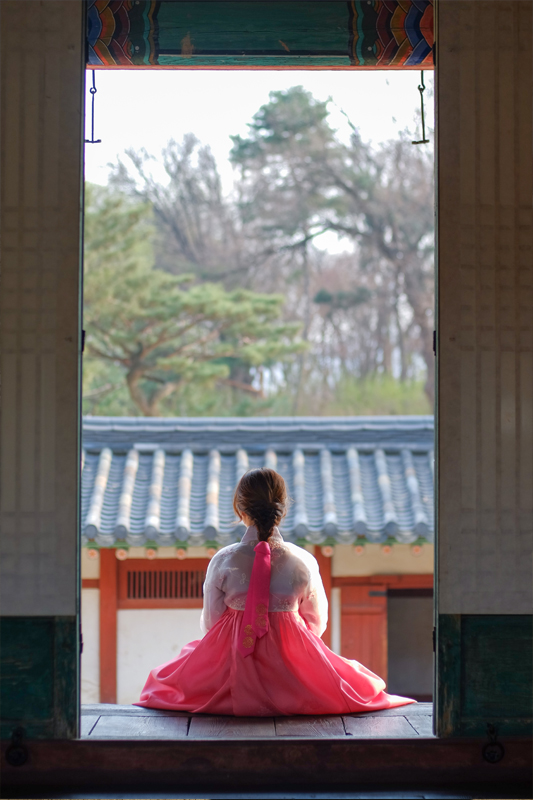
<point x="422" y="89"/>
<point x="93" y="90"/>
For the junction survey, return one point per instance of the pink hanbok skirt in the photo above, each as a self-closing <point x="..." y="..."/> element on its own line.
<point x="291" y="671"/>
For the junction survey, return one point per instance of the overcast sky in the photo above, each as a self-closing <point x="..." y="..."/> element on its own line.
<point x="146" y="108"/>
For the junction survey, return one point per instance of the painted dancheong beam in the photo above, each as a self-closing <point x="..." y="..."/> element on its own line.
<point x="301" y="522"/>
<point x="359" y="520"/>
<point x="123" y="522"/>
<point x="362" y="33"/>
<point x="93" y="521"/>
<point x="420" y="526"/>
<point x="390" y="522"/>
<point x="152" y="522"/>
<point x="329" y="525"/>
<point x="183" y="513"/>
<point x="211" y="521"/>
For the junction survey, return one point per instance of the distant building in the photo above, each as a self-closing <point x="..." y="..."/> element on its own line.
<point x="157" y="503"/>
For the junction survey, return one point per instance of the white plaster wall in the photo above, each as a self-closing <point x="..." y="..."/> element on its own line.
<point x="146" y="638"/>
<point x="90" y="658"/>
<point x="373" y="561"/>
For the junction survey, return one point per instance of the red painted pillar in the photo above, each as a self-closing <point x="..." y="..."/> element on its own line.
<point x="324" y="562"/>
<point x="108" y="626"/>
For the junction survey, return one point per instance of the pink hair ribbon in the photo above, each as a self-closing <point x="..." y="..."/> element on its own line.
<point x="255" y="617"/>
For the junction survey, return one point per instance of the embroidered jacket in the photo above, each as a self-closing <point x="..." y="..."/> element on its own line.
<point x="295" y="582"/>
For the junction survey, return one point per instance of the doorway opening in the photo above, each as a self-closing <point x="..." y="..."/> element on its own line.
<point x="292" y="212"/>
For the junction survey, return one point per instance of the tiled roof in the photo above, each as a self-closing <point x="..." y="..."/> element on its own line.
<point x="171" y="480"/>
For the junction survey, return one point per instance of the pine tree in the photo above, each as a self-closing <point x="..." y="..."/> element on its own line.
<point x="167" y="332"/>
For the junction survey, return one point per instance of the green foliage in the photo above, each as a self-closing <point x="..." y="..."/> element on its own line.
<point x="291" y="114"/>
<point x="197" y="401"/>
<point x="379" y="394"/>
<point x="165" y="331"/>
<point x="375" y="394"/>
<point x="105" y="391"/>
<point x="343" y="299"/>
<point x="280" y="188"/>
<point x="118" y="229"/>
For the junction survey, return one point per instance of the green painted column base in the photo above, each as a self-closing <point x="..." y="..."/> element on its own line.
<point x="39" y="660"/>
<point x="484" y="674"/>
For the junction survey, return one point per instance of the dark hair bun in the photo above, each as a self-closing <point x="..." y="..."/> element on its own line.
<point x="261" y="495"/>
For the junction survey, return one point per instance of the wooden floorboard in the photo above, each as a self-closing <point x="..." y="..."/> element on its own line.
<point x="422" y="725"/>
<point x="412" y="710"/>
<point x="111" y="710"/>
<point x="115" y="727"/>
<point x="310" y="726"/>
<point x="379" y="728"/>
<point x="204" y="727"/>
<point x="87" y="723"/>
<point x="106" y="721"/>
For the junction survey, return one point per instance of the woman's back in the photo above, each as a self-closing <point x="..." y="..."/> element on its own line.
<point x="295" y="583"/>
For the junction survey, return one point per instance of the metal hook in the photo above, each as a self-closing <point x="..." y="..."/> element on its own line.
<point x="93" y="90"/>
<point x="493" y="751"/>
<point x="17" y="753"/>
<point x="422" y="89"/>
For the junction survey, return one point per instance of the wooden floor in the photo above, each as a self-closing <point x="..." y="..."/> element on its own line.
<point x="130" y="722"/>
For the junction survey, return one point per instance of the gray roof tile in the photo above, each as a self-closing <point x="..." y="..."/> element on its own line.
<point x="170" y="481"/>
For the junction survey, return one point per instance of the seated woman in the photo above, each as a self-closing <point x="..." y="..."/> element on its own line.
<point x="264" y="612"/>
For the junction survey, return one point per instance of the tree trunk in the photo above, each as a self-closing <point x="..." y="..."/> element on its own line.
<point x="425" y="323"/>
<point x="137" y="395"/>
<point x="401" y="342"/>
<point x="307" y="321"/>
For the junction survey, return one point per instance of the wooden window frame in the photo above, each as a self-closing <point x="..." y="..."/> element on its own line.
<point x="165" y="565"/>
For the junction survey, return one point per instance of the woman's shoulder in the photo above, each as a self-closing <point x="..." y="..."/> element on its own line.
<point x="224" y="552"/>
<point x="301" y="554"/>
<point x="229" y="552"/>
<point x="300" y="551"/>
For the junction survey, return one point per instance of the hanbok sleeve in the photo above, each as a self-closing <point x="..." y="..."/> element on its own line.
<point x="314" y="603"/>
<point x="214" y="605"/>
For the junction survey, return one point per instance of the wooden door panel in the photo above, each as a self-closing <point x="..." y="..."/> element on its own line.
<point x="364" y="626"/>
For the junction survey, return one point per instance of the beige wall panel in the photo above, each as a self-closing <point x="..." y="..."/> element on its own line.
<point x="485" y="274"/>
<point x="400" y="560"/>
<point x="41" y="75"/>
<point x="90" y="567"/>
